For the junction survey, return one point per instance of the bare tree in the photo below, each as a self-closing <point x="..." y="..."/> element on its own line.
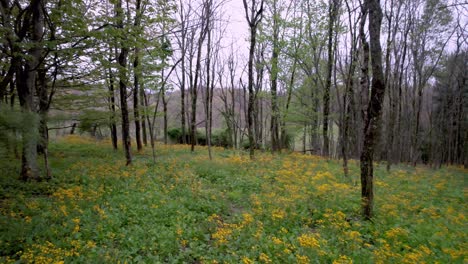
<point x="348" y="100"/>
<point x="253" y="15"/>
<point x="194" y="85"/>
<point x="332" y="13"/>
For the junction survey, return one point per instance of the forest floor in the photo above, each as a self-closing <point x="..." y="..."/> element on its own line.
<point x="184" y="208"/>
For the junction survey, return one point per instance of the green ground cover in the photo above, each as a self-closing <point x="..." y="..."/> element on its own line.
<point x="288" y="208"/>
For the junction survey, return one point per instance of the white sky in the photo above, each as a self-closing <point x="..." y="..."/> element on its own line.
<point x="237" y="28"/>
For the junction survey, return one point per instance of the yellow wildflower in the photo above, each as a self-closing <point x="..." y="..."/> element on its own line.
<point x="343" y="260"/>
<point x="310" y="241"/>
<point x="246" y="260"/>
<point x="264" y="258"/>
<point x="300" y="259"/>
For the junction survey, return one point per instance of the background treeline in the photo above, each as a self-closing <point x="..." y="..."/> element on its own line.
<point x="141" y="70"/>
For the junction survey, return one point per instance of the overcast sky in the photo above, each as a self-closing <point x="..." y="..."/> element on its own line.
<point x="237" y="29"/>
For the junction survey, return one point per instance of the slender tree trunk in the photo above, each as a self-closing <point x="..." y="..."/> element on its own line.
<point x="232" y="91"/>
<point x="183" y="50"/>
<point x="364" y="78"/>
<point x="257" y="111"/>
<point x="136" y="78"/>
<point x="250" y="107"/>
<point x="136" y="104"/>
<point x="182" y="106"/>
<point x="374" y="108"/>
<point x="347" y="107"/>
<point x="253" y="17"/>
<point x="284" y="135"/>
<point x="326" y="94"/>
<point x="122" y="59"/>
<point x="143" y="117"/>
<point x="182" y="95"/>
<point x="194" y="89"/>
<point x="113" y="117"/>
<point x="208" y="83"/>
<point x="150" y="125"/>
<point x="164" y="101"/>
<point x="274" y="124"/>
<point x="43" y="115"/>
<point x="113" y="125"/>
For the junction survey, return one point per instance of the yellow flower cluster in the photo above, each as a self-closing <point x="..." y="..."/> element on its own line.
<point x="71" y="193"/>
<point x="417" y="256"/>
<point x="48" y="253"/>
<point x="396" y="232"/>
<point x="343" y="260"/>
<point x="309" y="240"/>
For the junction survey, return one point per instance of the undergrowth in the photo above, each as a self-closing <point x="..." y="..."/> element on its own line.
<point x="184" y="208"/>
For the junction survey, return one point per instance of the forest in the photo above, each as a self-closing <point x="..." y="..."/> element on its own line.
<point x="237" y="131"/>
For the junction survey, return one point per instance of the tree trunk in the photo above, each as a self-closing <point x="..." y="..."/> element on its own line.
<point x="208" y="83"/>
<point x="347" y="107"/>
<point x="113" y="125"/>
<point x="136" y="104"/>
<point x="364" y="78"/>
<point x="164" y="101"/>
<point x="136" y="78"/>
<point x="284" y="136"/>
<point x="122" y="59"/>
<point x="43" y="144"/>
<point x="250" y="105"/>
<point x="274" y="125"/>
<point x="253" y="17"/>
<point x="143" y="117"/>
<point x="194" y="89"/>
<point x="326" y="94"/>
<point x="182" y="95"/>
<point x="374" y="108"/>
<point x="26" y="87"/>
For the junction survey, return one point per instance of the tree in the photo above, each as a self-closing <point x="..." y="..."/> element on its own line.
<point x="374" y="107"/>
<point x="136" y="78"/>
<point x="123" y="80"/>
<point x="195" y="84"/>
<point x="181" y="41"/>
<point x="433" y="23"/>
<point x="31" y="21"/>
<point x="253" y="15"/>
<point x="348" y="96"/>
<point x="333" y="13"/>
<point x="275" y="121"/>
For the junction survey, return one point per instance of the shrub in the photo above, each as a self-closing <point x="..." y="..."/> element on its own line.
<point x="221" y="138"/>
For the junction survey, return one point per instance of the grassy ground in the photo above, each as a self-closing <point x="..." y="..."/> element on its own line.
<point x="186" y="209"/>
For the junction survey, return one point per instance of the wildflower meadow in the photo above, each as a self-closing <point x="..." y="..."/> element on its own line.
<point x="185" y="208"/>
